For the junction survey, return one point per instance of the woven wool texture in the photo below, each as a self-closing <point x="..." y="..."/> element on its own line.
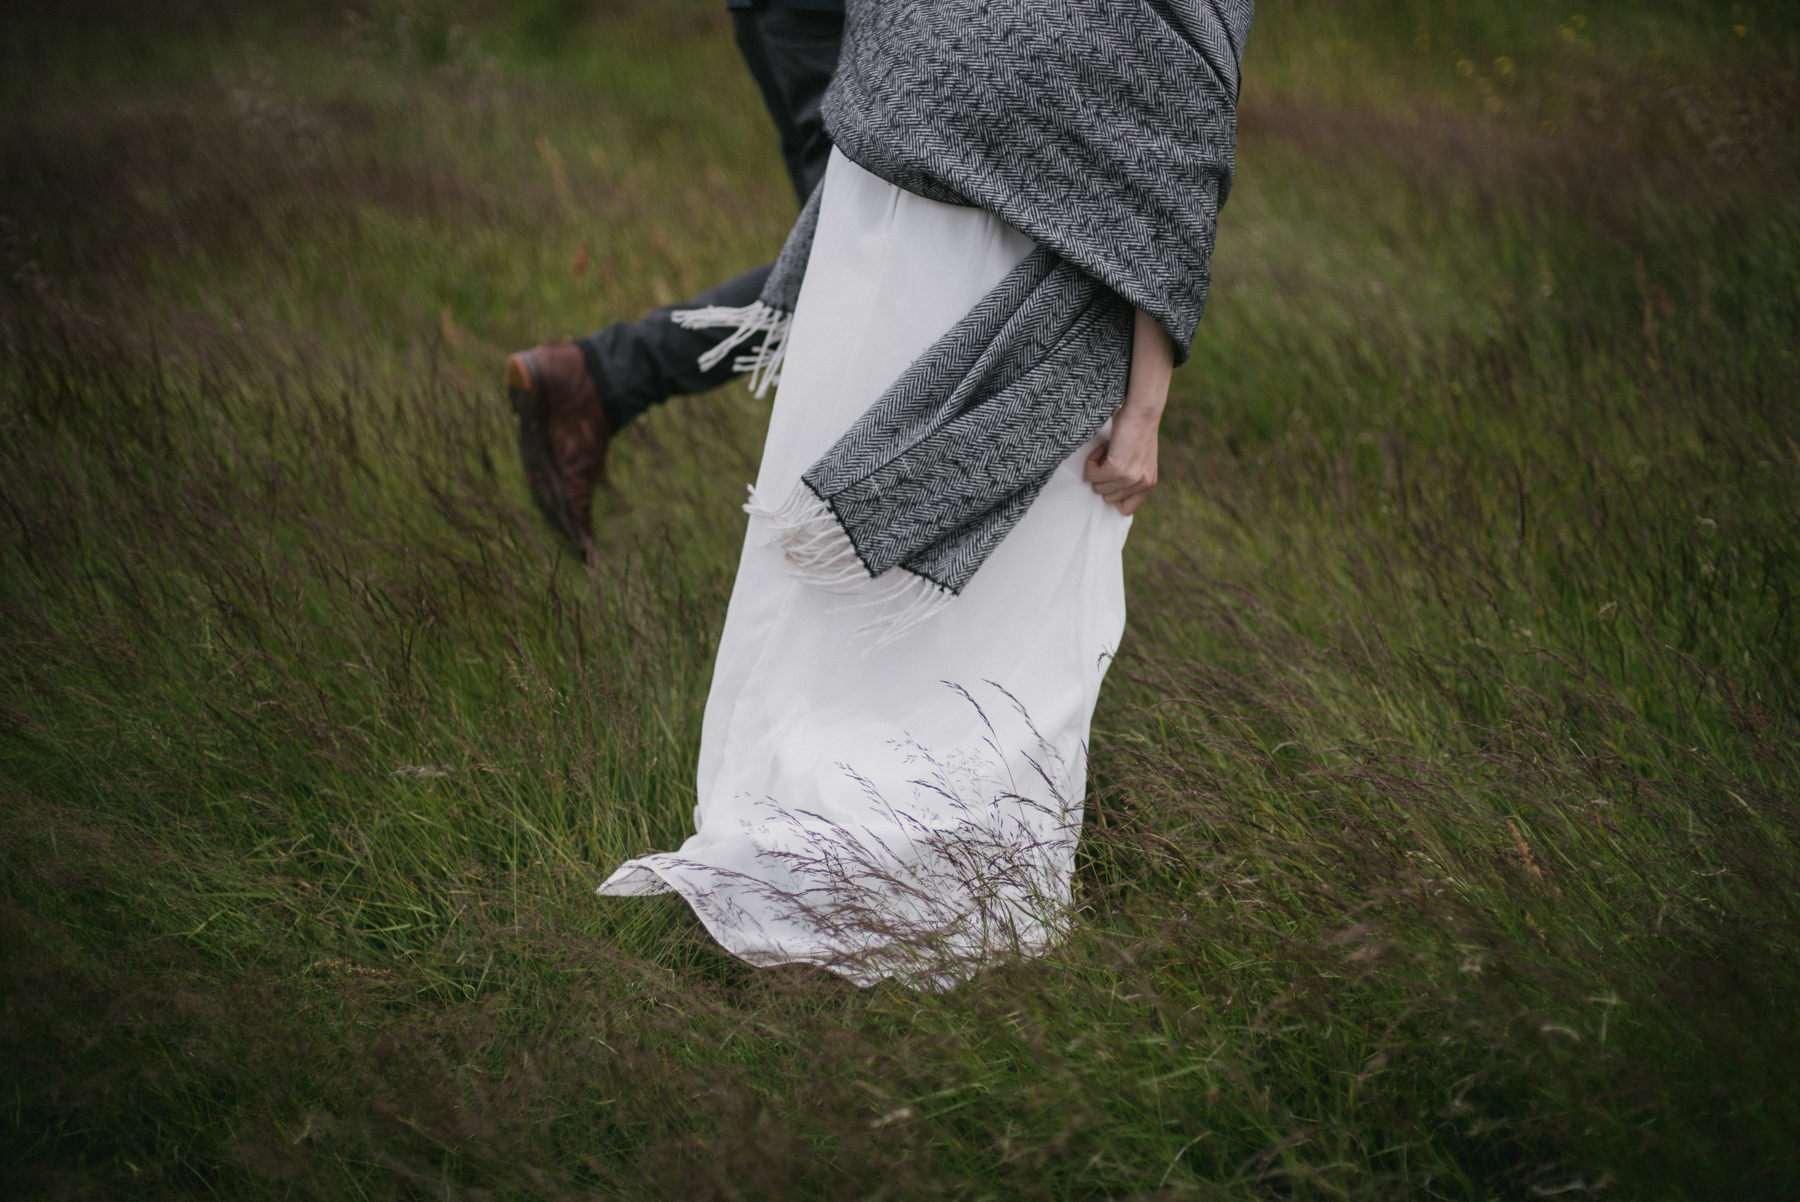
<point x="1105" y="130"/>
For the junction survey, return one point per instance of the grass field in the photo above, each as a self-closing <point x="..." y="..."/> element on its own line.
<point x="1444" y="798"/>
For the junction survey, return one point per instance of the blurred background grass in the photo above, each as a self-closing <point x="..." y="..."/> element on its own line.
<point x="1441" y="837"/>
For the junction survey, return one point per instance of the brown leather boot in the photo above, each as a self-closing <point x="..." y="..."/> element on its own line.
<point x="562" y="435"/>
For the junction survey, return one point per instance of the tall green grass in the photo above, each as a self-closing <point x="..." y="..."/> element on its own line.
<point x="1442" y="813"/>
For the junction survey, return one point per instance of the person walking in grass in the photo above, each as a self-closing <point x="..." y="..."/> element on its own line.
<point x="572" y="397"/>
<point x="972" y="330"/>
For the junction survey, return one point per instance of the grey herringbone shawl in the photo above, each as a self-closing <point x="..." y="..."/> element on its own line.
<point x="1103" y="129"/>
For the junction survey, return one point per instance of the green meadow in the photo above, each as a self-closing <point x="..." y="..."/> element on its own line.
<point x="1443" y="826"/>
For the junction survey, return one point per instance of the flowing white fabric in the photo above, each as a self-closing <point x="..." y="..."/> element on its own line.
<point x="908" y="810"/>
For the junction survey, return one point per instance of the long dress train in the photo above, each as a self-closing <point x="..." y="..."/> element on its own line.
<point x="909" y="811"/>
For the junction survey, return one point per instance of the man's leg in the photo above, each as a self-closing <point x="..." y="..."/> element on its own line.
<point x="572" y="397"/>
<point x="645" y="362"/>
<point x="792" y="53"/>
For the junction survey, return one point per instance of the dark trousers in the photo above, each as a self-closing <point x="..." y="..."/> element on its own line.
<point x="636" y="364"/>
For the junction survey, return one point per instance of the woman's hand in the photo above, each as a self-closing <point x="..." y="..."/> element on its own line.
<point x="1123" y="469"/>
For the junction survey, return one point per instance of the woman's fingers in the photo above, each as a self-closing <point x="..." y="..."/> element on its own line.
<point x="1120" y="485"/>
<point x="1105" y="470"/>
<point x="1122" y="470"/>
<point x="1096" y="458"/>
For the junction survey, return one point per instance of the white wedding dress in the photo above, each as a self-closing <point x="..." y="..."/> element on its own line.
<point x="909" y="811"/>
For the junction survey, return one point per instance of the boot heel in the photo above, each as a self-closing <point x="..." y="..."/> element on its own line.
<point x="521" y="389"/>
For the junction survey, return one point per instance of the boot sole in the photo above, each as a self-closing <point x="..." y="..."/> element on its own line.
<point x="525" y="392"/>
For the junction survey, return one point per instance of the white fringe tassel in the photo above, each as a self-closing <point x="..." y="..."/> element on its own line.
<point x="809" y="535"/>
<point x="744" y="322"/>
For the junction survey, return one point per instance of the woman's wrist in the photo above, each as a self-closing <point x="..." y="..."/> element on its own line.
<point x="1140" y="411"/>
